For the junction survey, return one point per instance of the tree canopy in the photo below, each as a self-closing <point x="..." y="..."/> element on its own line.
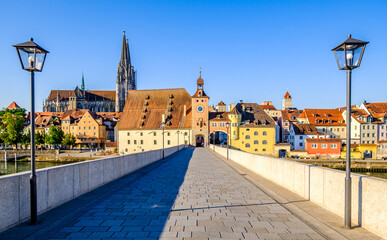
<point x="15" y="112"/>
<point x="69" y="140"/>
<point x="55" y="135"/>
<point x="11" y="128"/>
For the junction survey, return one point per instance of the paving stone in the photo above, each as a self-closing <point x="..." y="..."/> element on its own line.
<point x="188" y="197"/>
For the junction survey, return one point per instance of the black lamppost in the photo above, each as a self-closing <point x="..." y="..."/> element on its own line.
<point x="163" y="127"/>
<point x="178" y="147"/>
<point x="348" y="56"/>
<point x="32" y="58"/>
<point x="228" y="136"/>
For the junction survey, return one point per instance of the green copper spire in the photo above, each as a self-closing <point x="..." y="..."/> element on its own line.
<point x="83" y="83"/>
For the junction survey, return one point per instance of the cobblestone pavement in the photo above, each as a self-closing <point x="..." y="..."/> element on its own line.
<point x="194" y="195"/>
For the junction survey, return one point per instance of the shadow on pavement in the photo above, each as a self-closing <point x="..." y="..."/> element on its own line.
<point x="134" y="206"/>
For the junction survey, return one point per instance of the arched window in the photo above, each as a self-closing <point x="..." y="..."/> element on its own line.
<point x="247" y="145"/>
<point x="247" y="136"/>
<point x="256" y="133"/>
<point x="264" y="133"/>
<point x="264" y="142"/>
<point x="256" y="142"/>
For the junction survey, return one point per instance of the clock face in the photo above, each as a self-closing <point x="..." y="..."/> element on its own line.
<point x="200" y="108"/>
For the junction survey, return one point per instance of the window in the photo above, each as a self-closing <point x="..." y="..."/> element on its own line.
<point x="141" y="141"/>
<point x="128" y="141"/>
<point x="264" y="142"/>
<point x="363" y="134"/>
<point x="264" y="150"/>
<point x="301" y="144"/>
<point x="154" y="134"/>
<point x="301" y="137"/>
<point x="368" y="127"/>
<point x="168" y="134"/>
<point x="141" y="134"/>
<point x="355" y="128"/>
<point x="256" y="150"/>
<point x="185" y="134"/>
<point x="247" y="129"/>
<point x="373" y="127"/>
<point x="333" y="145"/>
<point x="256" y="142"/>
<point x="234" y="133"/>
<point x="324" y="146"/>
<point x="126" y="150"/>
<point x="169" y="142"/>
<point x="256" y="133"/>
<point x="128" y="133"/>
<point x="94" y="134"/>
<point x="143" y="150"/>
<point x="363" y="127"/>
<point x="314" y="145"/>
<point x="247" y="136"/>
<point x="89" y="128"/>
<point x="373" y="135"/>
<point x="264" y="133"/>
<point x="222" y="124"/>
<point x="185" y="142"/>
<point x="368" y="135"/>
<point x="331" y="129"/>
<point x="247" y="145"/>
<point x="84" y="128"/>
<point x="135" y="141"/>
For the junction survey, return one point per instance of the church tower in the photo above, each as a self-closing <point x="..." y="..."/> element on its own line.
<point x="200" y="115"/>
<point x="126" y="79"/>
<point x="287" y="101"/>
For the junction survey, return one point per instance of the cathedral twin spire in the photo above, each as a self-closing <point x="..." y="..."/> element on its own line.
<point x="126" y="79"/>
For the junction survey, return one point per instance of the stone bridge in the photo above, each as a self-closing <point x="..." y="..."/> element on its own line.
<point x="192" y="194"/>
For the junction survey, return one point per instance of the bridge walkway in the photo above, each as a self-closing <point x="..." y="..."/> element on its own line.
<point x="191" y="195"/>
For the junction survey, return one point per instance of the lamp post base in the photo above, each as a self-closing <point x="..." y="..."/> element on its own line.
<point x="34" y="203"/>
<point x="347" y="217"/>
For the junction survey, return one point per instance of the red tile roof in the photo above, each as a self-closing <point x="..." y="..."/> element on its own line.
<point x="221" y="103"/>
<point x="323" y="139"/>
<point x="287" y="95"/>
<point x="377" y="110"/>
<point x="324" y="117"/>
<point x="268" y="107"/>
<point x="13" y="105"/>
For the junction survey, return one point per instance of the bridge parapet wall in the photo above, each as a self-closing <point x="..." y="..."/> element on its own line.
<point x="323" y="186"/>
<point x="57" y="185"/>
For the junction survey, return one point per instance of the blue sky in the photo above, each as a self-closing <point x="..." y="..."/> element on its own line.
<point x="249" y="50"/>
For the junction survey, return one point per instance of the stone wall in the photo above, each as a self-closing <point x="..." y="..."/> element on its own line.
<point x="57" y="185"/>
<point x="323" y="186"/>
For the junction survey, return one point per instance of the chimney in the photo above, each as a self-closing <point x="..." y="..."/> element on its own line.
<point x="185" y="110"/>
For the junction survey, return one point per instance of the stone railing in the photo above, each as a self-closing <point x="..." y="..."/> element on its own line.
<point x="322" y="186"/>
<point x="57" y="185"/>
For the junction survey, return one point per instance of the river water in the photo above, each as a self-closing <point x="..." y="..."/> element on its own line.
<point x="22" y="166"/>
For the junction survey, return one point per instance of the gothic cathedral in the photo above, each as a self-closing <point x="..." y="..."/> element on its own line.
<point x="126" y="78"/>
<point x="96" y="101"/>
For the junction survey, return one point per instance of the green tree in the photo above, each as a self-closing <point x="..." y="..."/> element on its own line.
<point x="26" y="138"/>
<point x="39" y="138"/>
<point x="54" y="136"/>
<point x="69" y="140"/>
<point x="15" y="112"/>
<point x="11" y="129"/>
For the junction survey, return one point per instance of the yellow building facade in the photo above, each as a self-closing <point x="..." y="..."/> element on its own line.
<point x="252" y="129"/>
<point x="134" y="141"/>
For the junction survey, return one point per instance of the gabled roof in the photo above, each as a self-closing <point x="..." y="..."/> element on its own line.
<point x="221" y="103"/>
<point x="13" y="105"/>
<point x="144" y="109"/>
<point x="287" y="95"/>
<point x="305" y="129"/>
<point x="253" y="115"/>
<point x="324" y="117"/>
<point x="219" y="116"/>
<point x="292" y="114"/>
<point x="268" y="107"/>
<point x="377" y="110"/>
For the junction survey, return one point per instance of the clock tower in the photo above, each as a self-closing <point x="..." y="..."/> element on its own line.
<point x="200" y="115"/>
